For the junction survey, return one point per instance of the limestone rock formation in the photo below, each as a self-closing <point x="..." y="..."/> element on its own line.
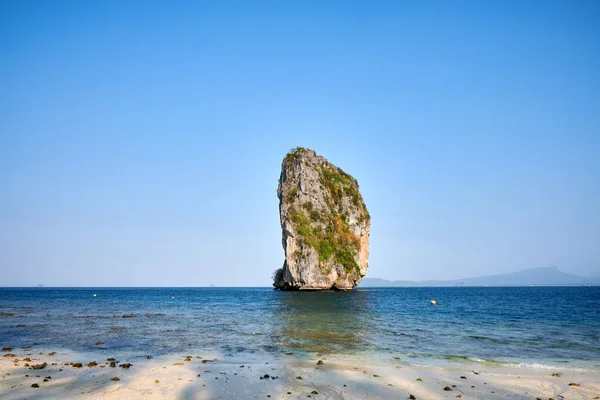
<point x="325" y="225"/>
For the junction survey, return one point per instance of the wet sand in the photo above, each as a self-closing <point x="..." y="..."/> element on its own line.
<point x="209" y="376"/>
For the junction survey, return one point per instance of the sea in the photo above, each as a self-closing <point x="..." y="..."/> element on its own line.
<point x="536" y="327"/>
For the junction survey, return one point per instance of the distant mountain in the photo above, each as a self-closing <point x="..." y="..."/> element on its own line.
<point x="548" y="276"/>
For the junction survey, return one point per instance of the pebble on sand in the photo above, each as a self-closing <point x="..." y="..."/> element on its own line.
<point x="39" y="366"/>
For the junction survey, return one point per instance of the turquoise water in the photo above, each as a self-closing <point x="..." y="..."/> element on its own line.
<point x="543" y="326"/>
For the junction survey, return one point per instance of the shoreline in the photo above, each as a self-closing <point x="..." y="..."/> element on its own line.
<point x="212" y="376"/>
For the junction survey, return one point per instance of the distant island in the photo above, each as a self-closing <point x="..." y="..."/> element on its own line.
<point x="546" y="276"/>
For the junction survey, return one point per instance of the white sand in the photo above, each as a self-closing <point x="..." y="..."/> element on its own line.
<point x="225" y="379"/>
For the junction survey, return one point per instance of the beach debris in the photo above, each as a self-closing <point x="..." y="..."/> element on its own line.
<point x="39" y="366"/>
<point x="112" y="364"/>
<point x="241" y="366"/>
<point x="207" y="361"/>
<point x="94" y="294"/>
<point x="92" y="364"/>
<point x="396" y="358"/>
<point x="157" y="381"/>
<point x="26" y="365"/>
<point x="389" y="384"/>
<point x="178" y="364"/>
<point x="447" y="388"/>
<point x="99" y="343"/>
<point x="460" y="396"/>
<point x="375" y="376"/>
<point x="574" y="384"/>
<point x="265" y="376"/>
<point x="476" y="372"/>
<point x="48" y="377"/>
<point x="52" y="353"/>
<point x="314" y="392"/>
<point x="35" y="385"/>
<point x="320" y="362"/>
<point x="10" y="355"/>
<point x="412" y="397"/>
<point x="463" y="377"/>
<point x="116" y="379"/>
<point x="110" y="359"/>
<point x="148" y="357"/>
<point x="433" y="302"/>
<point x="127" y="365"/>
<point x="289" y="392"/>
<point x="27" y="359"/>
<point x="299" y="377"/>
<point x="556" y="374"/>
<point x="453" y="386"/>
<point x="188" y="358"/>
<point x="6" y="314"/>
<point x="7" y="349"/>
<point x="128" y="316"/>
<point x="77" y="365"/>
<point x="198" y="376"/>
<point x="419" y="380"/>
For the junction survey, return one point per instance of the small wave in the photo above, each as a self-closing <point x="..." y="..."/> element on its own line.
<point x="404" y="334"/>
<point x="545" y="366"/>
<point x="499" y="363"/>
<point x="489" y="339"/>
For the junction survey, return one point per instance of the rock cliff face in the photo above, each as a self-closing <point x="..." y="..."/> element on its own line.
<point x="325" y="225"/>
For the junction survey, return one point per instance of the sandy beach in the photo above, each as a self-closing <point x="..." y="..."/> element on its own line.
<point x="207" y="376"/>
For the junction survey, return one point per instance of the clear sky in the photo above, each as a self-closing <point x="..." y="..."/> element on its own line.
<point x="141" y="141"/>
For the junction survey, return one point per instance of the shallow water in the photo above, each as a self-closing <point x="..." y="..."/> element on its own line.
<point x="532" y="326"/>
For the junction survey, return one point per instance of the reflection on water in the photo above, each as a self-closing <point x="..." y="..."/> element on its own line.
<point x="324" y="322"/>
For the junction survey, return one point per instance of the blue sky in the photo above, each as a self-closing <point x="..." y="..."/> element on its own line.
<point x="141" y="141"/>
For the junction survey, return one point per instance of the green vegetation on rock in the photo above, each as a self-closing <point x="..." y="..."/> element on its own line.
<point x="328" y="231"/>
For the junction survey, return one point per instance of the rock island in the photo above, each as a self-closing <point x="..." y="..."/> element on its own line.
<point x="325" y="225"/>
